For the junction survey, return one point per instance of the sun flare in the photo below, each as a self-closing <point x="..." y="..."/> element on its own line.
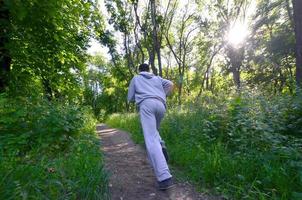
<point x="237" y="34"/>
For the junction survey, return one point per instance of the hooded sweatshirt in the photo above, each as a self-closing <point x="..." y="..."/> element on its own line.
<point x="146" y="85"/>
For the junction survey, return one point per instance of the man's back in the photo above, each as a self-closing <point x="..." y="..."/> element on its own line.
<point x="149" y="92"/>
<point x="146" y="85"/>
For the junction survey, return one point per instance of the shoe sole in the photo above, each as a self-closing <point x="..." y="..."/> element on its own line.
<point x="166" y="188"/>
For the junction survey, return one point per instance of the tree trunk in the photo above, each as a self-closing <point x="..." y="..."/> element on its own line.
<point x="4" y="70"/>
<point x="207" y="81"/>
<point x="207" y="70"/>
<point x="297" y="4"/>
<point x="212" y="82"/>
<point x="138" y="24"/>
<point x="236" y="57"/>
<point x="47" y="88"/>
<point x="180" y="91"/>
<point x="130" y="63"/>
<point x="289" y="13"/>
<point x="151" y="61"/>
<point x="156" y="45"/>
<point x="236" y="76"/>
<point x="282" y="81"/>
<point x="5" y="59"/>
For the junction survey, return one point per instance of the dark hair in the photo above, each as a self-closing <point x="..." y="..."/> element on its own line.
<point x="143" y="67"/>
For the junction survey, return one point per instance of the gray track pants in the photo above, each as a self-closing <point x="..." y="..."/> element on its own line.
<point x="151" y="113"/>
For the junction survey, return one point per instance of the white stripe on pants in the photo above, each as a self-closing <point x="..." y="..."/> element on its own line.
<point x="151" y="113"/>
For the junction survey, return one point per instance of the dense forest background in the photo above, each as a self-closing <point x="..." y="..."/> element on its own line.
<point x="205" y="47"/>
<point x="235" y="118"/>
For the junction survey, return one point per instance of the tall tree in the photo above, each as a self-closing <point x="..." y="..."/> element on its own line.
<point x="156" y="45"/>
<point x="232" y="13"/>
<point x="47" y="44"/>
<point x="271" y="47"/>
<point x="297" y="4"/>
<point x="181" y="44"/>
<point x="5" y="59"/>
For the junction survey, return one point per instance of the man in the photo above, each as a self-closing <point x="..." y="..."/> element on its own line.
<point x="149" y="93"/>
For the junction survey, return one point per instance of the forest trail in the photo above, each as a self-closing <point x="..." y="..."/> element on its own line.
<point x="131" y="177"/>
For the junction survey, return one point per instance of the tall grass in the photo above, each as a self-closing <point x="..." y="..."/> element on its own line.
<point x="244" y="147"/>
<point x="49" y="150"/>
<point x="74" y="174"/>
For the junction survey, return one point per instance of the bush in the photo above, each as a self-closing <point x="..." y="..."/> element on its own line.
<point x="76" y="173"/>
<point x="49" y="150"/>
<point x="29" y="123"/>
<point x="240" y="146"/>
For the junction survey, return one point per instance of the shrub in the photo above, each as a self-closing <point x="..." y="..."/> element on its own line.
<point x="28" y="123"/>
<point x="49" y="150"/>
<point x="76" y="173"/>
<point x="240" y="146"/>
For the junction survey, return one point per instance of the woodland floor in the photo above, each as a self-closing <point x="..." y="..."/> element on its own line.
<point x="130" y="175"/>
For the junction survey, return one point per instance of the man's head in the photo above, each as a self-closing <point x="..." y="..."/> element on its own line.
<point x="144" y="67"/>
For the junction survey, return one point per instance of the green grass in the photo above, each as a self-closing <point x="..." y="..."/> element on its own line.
<point x="76" y="173"/>
<point x="231" y="147"/>
<point x="49" y="150"/>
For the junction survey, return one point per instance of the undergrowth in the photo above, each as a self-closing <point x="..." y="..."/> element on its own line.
<point x="49" y="150"/>
<point x="246" y="147"/>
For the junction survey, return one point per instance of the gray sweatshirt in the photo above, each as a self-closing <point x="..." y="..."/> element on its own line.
<point x="146" y="85"/>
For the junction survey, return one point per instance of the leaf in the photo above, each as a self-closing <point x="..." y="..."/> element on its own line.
<point x="296" y="196"/>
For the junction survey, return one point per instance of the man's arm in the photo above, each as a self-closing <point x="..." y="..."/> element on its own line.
<point x="167" y="85"/>
<point x="131" y="91"/>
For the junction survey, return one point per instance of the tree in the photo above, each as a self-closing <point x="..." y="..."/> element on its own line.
<point x="5" y="59"/>
<point x="297" y="4"/>
<point x="232" y="13"/>
<point x="156" y="44"/>
<point x="181" y="45"/>
<point x="47" y="44"/>
<point x="271" y="47"/>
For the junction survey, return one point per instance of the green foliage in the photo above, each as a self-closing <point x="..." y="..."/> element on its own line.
<point x="129" y="122"/>
<point x="47" y="44"/>
<point x="239" y="146"/>
<point x="48" y="150"/>
<point x="28" y="123"/>
<point x="247" y="147"/>
<point x="271" y="48"/>
<point x="105" y="90"/>
<point x="76" y="173"/>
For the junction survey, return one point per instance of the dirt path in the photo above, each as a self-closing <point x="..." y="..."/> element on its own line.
<point x="131" y="177"/>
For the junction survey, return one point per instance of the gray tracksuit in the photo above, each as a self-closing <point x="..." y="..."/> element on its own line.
<point x="149" y="92"/>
